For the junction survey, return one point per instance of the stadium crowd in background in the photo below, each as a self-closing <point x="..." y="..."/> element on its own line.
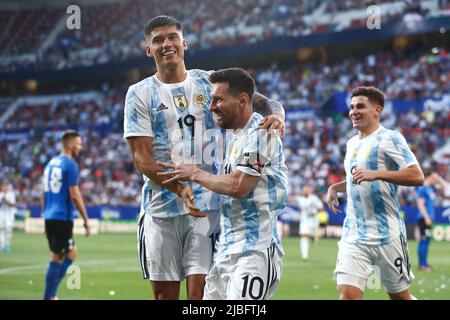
<point x="314" y="144"/>
<point x="112" y="32"/>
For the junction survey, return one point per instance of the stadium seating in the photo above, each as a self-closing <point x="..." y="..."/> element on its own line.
<point x="315" y="144"/>
<point x="114" y="32"/>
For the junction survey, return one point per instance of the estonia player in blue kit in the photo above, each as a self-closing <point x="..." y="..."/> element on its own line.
<point x="164" y="114"/>
<point x="377" y="160"/>
<point x="252" y="187"/>
<point x="60" y="192"/>
<point x="426" y="216"/>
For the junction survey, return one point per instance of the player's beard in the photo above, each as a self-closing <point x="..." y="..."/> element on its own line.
<point x="226" y="125"/>
<point x="225" y="122"/>
<point x="74" y="153"/>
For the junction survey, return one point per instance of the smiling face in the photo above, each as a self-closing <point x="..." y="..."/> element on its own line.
<point x="166" y="45"/>
<point x="225" y="106"/>
<point x="365" y="114"/>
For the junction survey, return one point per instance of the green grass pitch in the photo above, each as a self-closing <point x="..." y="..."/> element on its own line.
<point x="110" y="270"/>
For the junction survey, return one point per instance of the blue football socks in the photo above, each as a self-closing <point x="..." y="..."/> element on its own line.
<point x="51" y="279"/>
<point x="423" y="252"/>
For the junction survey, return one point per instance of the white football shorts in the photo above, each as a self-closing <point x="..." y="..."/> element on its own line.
<point x="253" y="275"/>
<point x="386" y="264"/>
<point x="170" y="249"/>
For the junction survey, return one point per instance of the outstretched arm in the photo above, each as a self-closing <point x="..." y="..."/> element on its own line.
<point x="236" y="184"/>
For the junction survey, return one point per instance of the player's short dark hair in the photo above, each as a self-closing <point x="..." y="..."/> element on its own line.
<point x="372" y="93"/>
<point x="161" y="21"/>
<point x="68" y="135"/>
<point x="238" y="80"/>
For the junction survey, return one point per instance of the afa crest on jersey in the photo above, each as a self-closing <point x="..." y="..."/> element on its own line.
<point x="180" y="101"/>
<point x="179" y="98"/>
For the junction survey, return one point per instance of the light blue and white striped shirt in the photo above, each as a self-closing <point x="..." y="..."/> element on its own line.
<point x="177" y="117"/>
<point x="373" y="211"/>
<point x="250" y="223"/>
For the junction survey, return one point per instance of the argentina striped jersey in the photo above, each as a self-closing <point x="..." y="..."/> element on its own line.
<point x="373" y="211"/>
<point x="177" y="117"/>
<point x="250" y="223"/>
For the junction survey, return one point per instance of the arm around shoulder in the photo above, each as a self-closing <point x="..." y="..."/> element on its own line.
<point x="266" y="106"/>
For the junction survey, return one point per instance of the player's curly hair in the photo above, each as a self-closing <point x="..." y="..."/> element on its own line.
<point x="372" y="93"/>
<point x="161" y="21"/>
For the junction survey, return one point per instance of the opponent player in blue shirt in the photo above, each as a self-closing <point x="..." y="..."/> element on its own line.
<point x="426" y="216"/>
<point x="61" y="191"/>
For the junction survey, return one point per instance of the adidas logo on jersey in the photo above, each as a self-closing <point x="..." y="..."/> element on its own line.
<point x="161" y="107"/>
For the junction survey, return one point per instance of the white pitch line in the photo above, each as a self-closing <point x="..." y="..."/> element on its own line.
<point x="21" y="269"/>
<point x="39" y="267"/>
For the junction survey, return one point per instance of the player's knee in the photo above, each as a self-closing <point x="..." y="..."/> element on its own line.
<point x="403" y="295"/>
<point x="72" y="254"/>
<point x="57" y="257"/>
<point x="195" y="292"/>
<point x="195" y="286"/>
<point x="349" y="296"/>
<point x="166" y="290"/>
<point x="166" y="295"/>
<point x="195" y="295"/>
<point x="349" y="293"/>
